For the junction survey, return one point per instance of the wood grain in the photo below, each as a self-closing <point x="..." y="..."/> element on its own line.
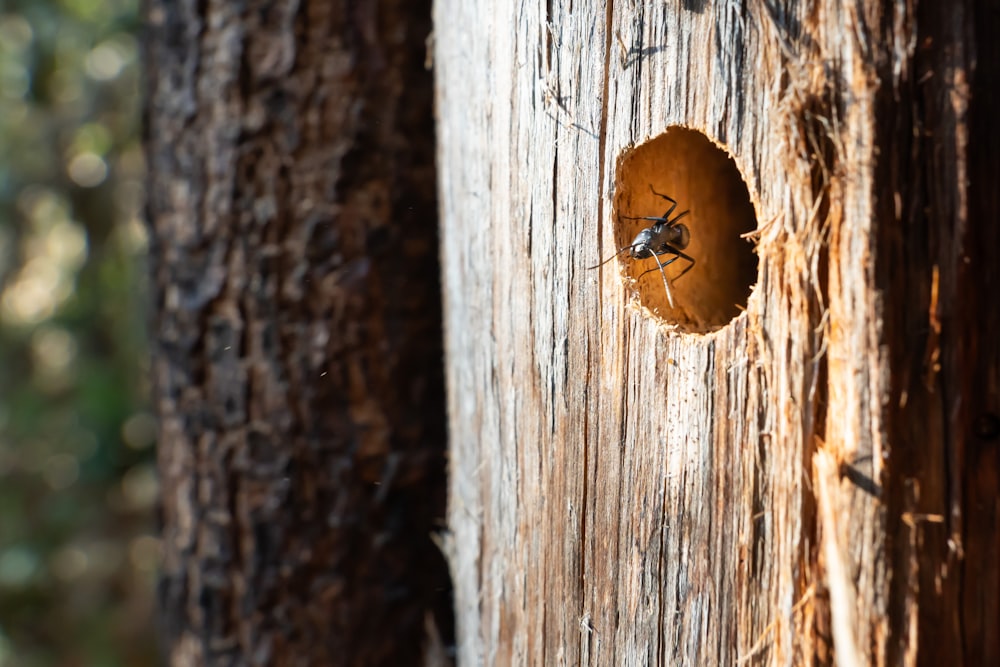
<point x="628" y="488"/>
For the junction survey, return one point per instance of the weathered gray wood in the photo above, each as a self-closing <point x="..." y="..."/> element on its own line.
<point x="626" y="490"/>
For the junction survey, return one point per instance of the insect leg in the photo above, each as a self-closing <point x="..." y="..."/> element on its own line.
<point x="677" y="255"/>
<point x="673" y="202"/>
<point x="679" y="216"/>
<point x="664" y="265"/>
<point x="681" y="255"/>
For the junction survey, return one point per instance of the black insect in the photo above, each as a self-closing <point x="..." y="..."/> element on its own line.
<point x="666" y="237"/>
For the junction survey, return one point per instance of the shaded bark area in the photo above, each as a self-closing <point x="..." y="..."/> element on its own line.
<point x="939" y="250"/>
<point x="297" y="363"/>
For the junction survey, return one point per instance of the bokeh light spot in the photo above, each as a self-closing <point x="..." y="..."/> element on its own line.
<point x="87" y="169"/>
<point x="140" y="487"/>
<point x="107" y="60"/>
<point x="32" y="297"/>
<point x="17" y="566"/>
<point x="15" y="33"/>
<point x="144" y="553"/>
<point x="14" y="79"/>
<point x="139" y="430"/>
<point x="61" y="471"/>
<point x="69" y="563"/>
<point x="53" y="350"/>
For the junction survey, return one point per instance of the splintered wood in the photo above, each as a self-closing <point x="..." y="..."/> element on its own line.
<point x="635" y="481"/>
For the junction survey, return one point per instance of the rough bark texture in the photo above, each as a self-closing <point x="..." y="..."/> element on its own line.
<point x="815" y="481"/>
<point x="939" y="249"/>
<point x="297" y="326"/>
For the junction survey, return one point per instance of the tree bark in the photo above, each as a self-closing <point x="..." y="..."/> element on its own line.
<point x="635" y="482"/>
<point x="297" y="317"/>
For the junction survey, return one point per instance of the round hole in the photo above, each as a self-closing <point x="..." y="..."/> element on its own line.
<point x="703" y="179"/>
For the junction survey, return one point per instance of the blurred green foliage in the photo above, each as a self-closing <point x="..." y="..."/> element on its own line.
<point x="78" y="551"/>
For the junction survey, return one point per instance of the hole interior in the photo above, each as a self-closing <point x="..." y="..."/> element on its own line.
<point x="704" y="179"/>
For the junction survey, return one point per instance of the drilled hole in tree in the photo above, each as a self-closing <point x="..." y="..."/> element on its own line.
<point x="703" y="178"/>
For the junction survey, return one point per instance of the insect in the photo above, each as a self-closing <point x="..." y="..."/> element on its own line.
<point x="666" y="237"/>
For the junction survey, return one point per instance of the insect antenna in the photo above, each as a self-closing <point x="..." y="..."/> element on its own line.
<point x="620" y="251"/>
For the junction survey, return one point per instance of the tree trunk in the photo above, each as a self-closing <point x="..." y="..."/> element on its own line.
<point x="807" y="475"/>
<point x="297" y="325"/>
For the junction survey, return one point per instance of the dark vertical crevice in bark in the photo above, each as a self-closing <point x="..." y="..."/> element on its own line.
<point x="901" y="241"/>
<point x="938" y="252"/>
<point x="978" y="323"/>
<point x="297" y="361"/>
